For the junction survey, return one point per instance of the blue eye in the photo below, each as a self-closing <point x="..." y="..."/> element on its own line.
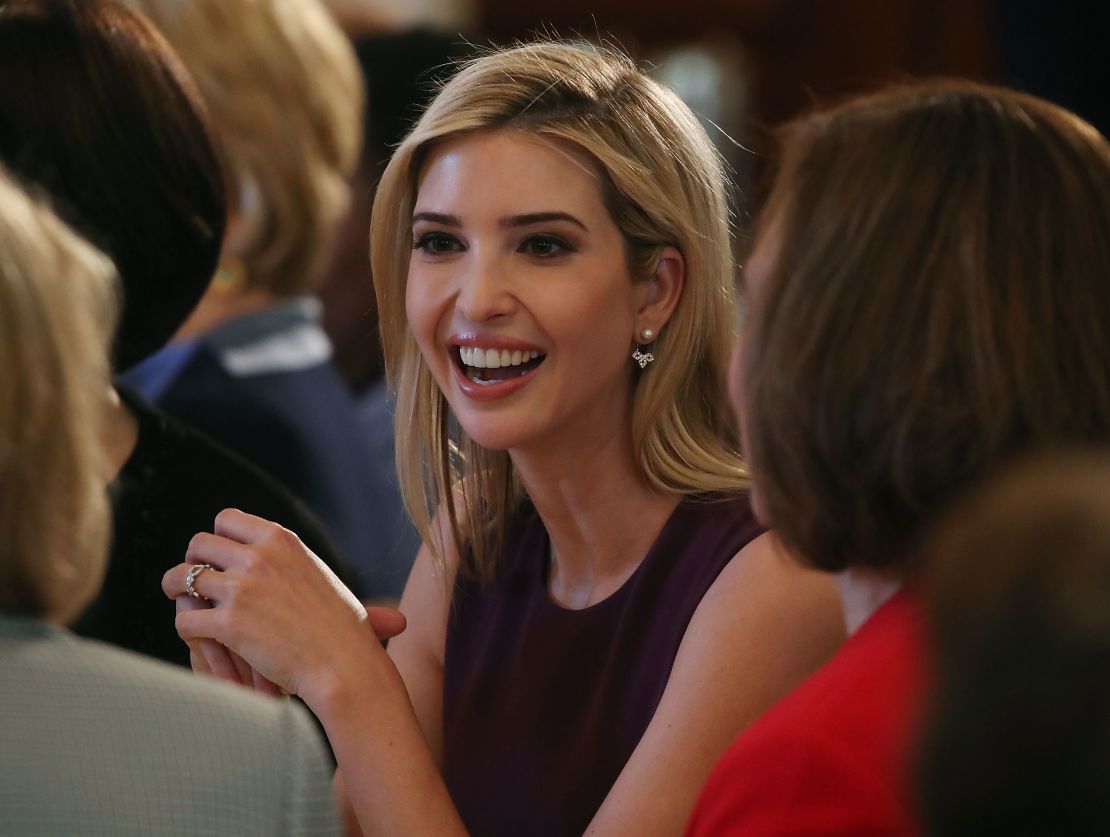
<point x="544" y="246"/>
<point x="435" y="243"/>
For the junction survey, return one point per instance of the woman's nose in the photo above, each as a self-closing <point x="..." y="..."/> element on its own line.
<point x="485" y="291"/>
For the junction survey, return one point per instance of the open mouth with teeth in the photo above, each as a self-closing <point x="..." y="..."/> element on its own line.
<point x="488" y="366"/>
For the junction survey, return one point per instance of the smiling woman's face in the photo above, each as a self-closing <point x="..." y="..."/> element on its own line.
<point x="519" y="294"/>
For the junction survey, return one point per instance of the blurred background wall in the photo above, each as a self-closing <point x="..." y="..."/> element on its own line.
<point x="751" y="64"/>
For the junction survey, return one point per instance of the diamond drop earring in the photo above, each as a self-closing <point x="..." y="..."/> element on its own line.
<point x="644" y="358"/>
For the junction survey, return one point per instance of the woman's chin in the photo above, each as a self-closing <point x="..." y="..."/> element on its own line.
<point x="507" y="433"/>
<point x="491" y="439"/>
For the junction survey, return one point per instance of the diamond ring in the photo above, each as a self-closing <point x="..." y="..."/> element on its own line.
<point x="191" y="577"/>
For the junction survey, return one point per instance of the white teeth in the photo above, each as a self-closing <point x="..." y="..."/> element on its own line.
<point x="480" y="358"/>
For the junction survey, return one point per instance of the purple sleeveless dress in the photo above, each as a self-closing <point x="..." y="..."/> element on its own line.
<point x="543" y="705"/>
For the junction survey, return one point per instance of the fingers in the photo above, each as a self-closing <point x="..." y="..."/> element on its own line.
<point x="245" y="528"/>
<point x="196" y="659"/>
<point x="210" y="659"/>
<point x="265" y="686"/>
<point x="227" y="548"/>
<point x="218" y="661"/>
<point x="206" y="655"/>
<point x="385" y="621"/>
<point x="210" y="583"/>
<point x="243" y="672"/>
<point x="273" y="602"/>
<point x="220" y="551"/>
<point x="196" y="625"/>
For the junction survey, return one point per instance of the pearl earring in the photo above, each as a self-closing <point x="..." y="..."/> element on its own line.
<point x="644" y="358"/>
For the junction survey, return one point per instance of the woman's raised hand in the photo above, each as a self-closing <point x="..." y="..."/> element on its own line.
<point x="276" y="617"/>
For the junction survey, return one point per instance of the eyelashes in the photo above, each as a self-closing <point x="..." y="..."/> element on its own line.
<point x="545" y="246"/>
<point x="539" y="245"/>
<point x="436" y="243"/>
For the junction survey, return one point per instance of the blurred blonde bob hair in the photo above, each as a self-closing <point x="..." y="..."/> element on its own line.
<point x="664" y="184"/>
<point x="58" y="302"/>
<point x="285" y="93"/>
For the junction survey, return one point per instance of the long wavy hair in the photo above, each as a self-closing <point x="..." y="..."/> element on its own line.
<point x="664" y="185"/>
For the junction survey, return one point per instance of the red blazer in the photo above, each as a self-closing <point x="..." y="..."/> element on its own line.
<point x="832" y="757"/>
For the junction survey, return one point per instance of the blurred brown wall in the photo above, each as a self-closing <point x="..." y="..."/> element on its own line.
<point x="799" y="49"/>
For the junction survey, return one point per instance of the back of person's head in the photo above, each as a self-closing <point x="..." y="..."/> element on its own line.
<point x="283" y="87"/>
<point x="930" y="298"/>
<point x="96" y="109"/>
<point x="1017" y="739"/>
<point x="57" y="309"/>
<point x="664" y="185"/>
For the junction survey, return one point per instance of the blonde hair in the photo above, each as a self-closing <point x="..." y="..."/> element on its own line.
<point x="284" y="90"/>
<point x="57" y="310"/>
<point x="664" y="184"/>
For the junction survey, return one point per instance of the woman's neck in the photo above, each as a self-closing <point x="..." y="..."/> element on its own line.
<point x="863" y="591"/>
<point x="218" y="307"/>
<point x="120" y="433"/>
<point x="600" y="513"/>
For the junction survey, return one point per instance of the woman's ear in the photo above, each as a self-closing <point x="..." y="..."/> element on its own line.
<point x="660" y="294"/>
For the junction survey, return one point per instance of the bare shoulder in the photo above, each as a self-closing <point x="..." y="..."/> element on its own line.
<point x="782" y="618"/>
<point x="765" y="573"/>
<point x="764" y="625"/>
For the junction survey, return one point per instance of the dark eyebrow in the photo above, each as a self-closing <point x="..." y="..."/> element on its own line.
<point x="437" y="218"/>
<point x="515" y="221"/>
<point x="541" y="218"/>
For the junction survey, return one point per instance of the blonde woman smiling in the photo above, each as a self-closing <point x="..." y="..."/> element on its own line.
<point x="596" y="610"/>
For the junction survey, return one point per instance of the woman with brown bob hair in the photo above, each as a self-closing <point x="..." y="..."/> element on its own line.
<point x="928" y="298"/>
<point x="97" y="111"/>
<point x="595" y="612"/>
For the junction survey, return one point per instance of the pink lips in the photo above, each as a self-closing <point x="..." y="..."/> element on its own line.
<point x="493" y="390"/>
<point x="491" y="341"/>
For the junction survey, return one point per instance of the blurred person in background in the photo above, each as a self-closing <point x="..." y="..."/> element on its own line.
<point x="401" y="71"/>
<point x="96" y="109"/>
<point x="928" y="299"/>
<point x="97" y="740"/>
<point x="594" y="613"/>
<point x="252" y="366"/>
<point x="1017" y="732"/>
